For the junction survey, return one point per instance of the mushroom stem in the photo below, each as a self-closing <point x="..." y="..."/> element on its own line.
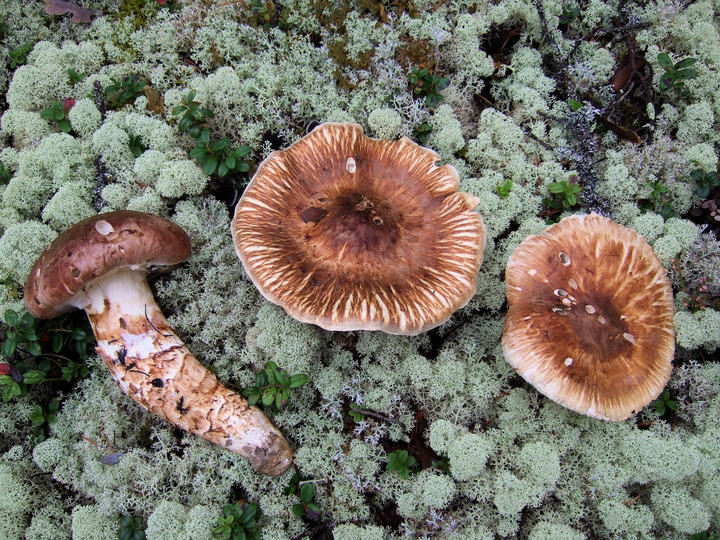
<point x="155" y="368"/>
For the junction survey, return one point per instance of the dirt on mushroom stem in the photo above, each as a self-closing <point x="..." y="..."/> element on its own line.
<point x="154" y="367"/>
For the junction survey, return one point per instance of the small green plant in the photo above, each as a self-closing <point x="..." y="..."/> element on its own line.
<point x="422" y="132"/>
<point x="442" y="464"/>
<point x="568" y="14"/>
<point x="705" y="181"/>
<point x="74" y="77"/>
<point x="663" y="403"/>
<point x="218" y="156"/>
<point x="658" y="202"/>
<point x="40" y="417"/>
<point x="305" y="489"/>
<point x="5" y="174"/>
<point x="401" y="462"/>
<point x="428" y="85"/>
<point x="131" y="528"/>
<point x="118" y="93"/>
<point x="23" y="344"/>
<point x="565" y="192"/>
<point x="136" y="145"/>
<point x="675" y="75"/>
<point x="215" y="156"/>
<point x="192" y="117"/>
<point x="504" y="189"/>
<point x="58" y="113"/>
<point x="272" y="387"/>
<point x="239" y="522"/>
<point x="18" y="55"/>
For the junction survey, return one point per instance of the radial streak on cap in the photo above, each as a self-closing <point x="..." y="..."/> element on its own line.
<point x="353" y="233"/>
<point x="616" y="324"/>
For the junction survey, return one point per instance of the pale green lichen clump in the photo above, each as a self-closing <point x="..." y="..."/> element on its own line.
<point x="508" y="462"/>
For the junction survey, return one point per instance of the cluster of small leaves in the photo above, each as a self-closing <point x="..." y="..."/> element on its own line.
<point x="213" y="156"/>
<point x="131" y="528"/>
<point x="136" y="145"/>
<point x="40" y="417"/>
<point x="305" y="489"/>
<point x="74" y="77"/>
<point x="239" y="522"/>
<point x="504" y="189"/>
<point x="18" y="55"/>
<point x="272" y="387"/>
<point x="5" y="174"/>
<point x="568" y="14"/>
<point x="118" y="93"/>
<point x="675" y="75"/>
<point x="705" y="535"/>
<point x="422" y="132"/>
<point x="401" y="462"/>
<point x="705" y="181"/>
<point x="58" y="113"/>
<point x="442" y="464"/>
<point x="28" y="363"/>
<point x="428" y="85"/>
<point x="21" y="336"/>
<point x="565" y="192"/>
<point x="658" y="200"/>
<point x="663" y="403"/>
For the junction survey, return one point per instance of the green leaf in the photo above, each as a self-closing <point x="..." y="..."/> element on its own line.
<point x="179" y="109"/>
<point x="241" y="151"/>
<point x="571" y="199"/>
<point x="269" y="396"/>
<point x="665" y="61"/>
<point x="11" y="317"/>
<point x="282" y="377"/>
<point x="34" y="376"/>
<point x="34" y="348"/>
<point x="204" y="137"/>
<point x="54" y="405"/>
<point x="210" y="164"/>
<point x="47" y="114"/>
<point x="307" y="492"/>
<point x="296" y="381"/>
<point x="244" y="166"/>
<point x="220" y="145"/>
<point x="8" y="346"/>
<point x="685" y="63"/>
<point x="281" y="399"/>
<point x="223" y="169"/>
<point x="5" y="380"/>
<point x="556" y="187"/>
<point x="574" y="105"/>
<point x="198" y="152"/>
<point x="56" y="342"/>
<point x="298" y="510"/>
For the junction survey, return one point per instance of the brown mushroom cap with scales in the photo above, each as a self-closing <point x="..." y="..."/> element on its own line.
<point x="590" y="318"/>
<point x="353" y="233"/>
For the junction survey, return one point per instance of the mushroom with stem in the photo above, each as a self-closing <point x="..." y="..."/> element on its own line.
<point x="100" y="265"/>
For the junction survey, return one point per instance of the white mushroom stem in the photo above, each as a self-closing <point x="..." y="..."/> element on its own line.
<point x="155" y="368"/>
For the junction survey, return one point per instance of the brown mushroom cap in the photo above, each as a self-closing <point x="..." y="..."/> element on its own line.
<point x="590" y="318"/>
<point x="96" y="246"/>
<point x="353" y="233"/>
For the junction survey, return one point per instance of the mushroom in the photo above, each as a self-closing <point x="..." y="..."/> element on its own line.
<point x="100" y="265"/>
<point x="590" y="318"/>
<point x="353" y="233"/>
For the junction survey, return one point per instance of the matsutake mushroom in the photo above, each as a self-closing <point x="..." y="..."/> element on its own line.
<point x="353" y="233"/>
<point x="100" y="265"/>
<point x="590" y="318"/>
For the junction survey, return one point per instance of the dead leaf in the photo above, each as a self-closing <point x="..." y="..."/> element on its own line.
<point x="156" y="101"/>
<point x="622" y="132"/>
<point x="61" y="7"/>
